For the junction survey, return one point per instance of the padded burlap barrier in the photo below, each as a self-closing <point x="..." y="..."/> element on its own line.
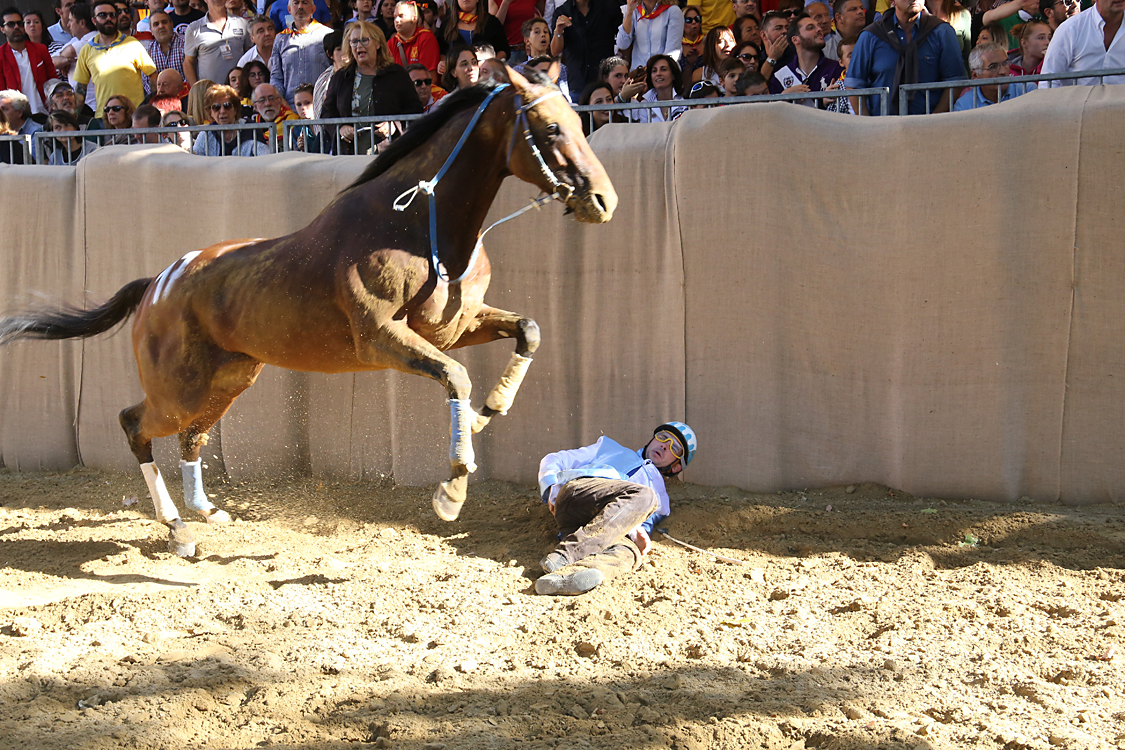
<point x="930" y="303"/>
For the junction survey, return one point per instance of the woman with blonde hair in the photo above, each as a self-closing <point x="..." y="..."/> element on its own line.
<point x="370" y="83"/>
<point x="197" y="101"/>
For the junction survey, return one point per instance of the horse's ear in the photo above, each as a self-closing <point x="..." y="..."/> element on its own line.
<point x="553" y="72"/>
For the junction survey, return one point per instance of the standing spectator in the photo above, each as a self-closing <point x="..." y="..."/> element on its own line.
<point x="536" y="41"/>
<point x="213" y="44"/>
<point x="385" y="16"/>
<point x="748" y="29"/>
<point x="282" y="16"/>
<point x="412" y="43"/>
<point x="35" y="27"/>
<point x="298" y="53"/>
<point x="262" y="34"/>
<point x="606" y="500"/>
<point x="113" y="62"/>
<point x="513" y="14"/>
<point x="62" y="99"/>
<point x="124" y="17"/>
<point x="651" y="27"/>
<point x="469" y="22"/>
<point x="24" y="65"/>
<point x="691" y="46"/>
<point x="662" y="75"/>
<point x="270" y="107"/>
<point x="1090" y="40"/>
<point x="1057" y="11"/>
<point x="238" y="8"/>
<point x="306" y="137"/>
<point x="18" y="111"/>
<point x="428" y="92"/>
<point x="843" y="104"/>
<point x="371" y="83"/>
<point x="1035" y="37"/>
<point x="462" y="69"/>
<point x="989" y="60"/>
<point x="183" y="15"/>
<point x="716" y="48"/>
<point x="82" y="33"/>
<point x="60" y="31"/>
<point x="363" y="10"/>
<point x="167" y="47"/>
<point x="334" y="51"/>
<point x="222" y="104"/>
<point x="850" y="17"/>
<point x="810" y="70"/>
<point x="585" y="32"/>
<point x="716" y="13"/>
<point x="907" y="46"/>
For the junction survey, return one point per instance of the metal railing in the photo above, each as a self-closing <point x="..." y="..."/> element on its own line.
<point x="329" y="134"/>
<point x="883" y="92"/>
<point x="904" y="91"/>
<point x="8" y="146"/>
<point x="47" y="142"/>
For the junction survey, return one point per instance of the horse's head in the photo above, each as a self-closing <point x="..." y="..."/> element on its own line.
<point x="565" y="164"/>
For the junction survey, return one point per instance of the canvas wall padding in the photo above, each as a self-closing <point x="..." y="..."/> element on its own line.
<point x="38" y="379"/>
<point x="883" y="300"/>
<point x="1093" y="447"/>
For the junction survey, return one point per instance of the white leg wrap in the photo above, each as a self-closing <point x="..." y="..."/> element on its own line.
<point x="165" y="509"/>
<point x="460" y="431"/>
<point x="504" y="393"/>
<point x="194" y="496"/>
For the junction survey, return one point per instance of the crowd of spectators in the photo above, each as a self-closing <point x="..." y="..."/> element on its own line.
<point x="105" y="66"/>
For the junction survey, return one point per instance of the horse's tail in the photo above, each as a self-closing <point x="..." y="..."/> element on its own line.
<point x="70" y="322"/>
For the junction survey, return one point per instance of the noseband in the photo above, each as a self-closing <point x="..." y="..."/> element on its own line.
<point x="562" y="191"/>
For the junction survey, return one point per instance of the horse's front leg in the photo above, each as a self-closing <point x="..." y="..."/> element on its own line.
<point x="491" y="324"/>
<point x="383" y="343"/>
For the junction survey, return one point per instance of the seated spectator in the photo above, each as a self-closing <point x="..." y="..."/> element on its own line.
<point x="270" y="107"/>
<point x="989" y="60"/>
<point x="412" y="42"/>
<point x="700" y="91"/>
<point x="851" y="18"/>
<point x="752" y="83"/>
<point x="993" y="32"/>
<point x="745" y="9"/>
<point x="651" y="27"/>
<point x="197" y="102"/>
<point x="1054" y="12"/>
<point x="810" y="70"/>
<point x="66" y="151"/>
<point x="597" y="92"/>
<point x="468" y="22"/>
<point x="716" y="48"/>
<point x="253" y="75"/>
<point x="17" y="108"/>
<point x="385" y="17"/>
<point x="749" y="54"/>
<point x="614" y="71"/>
<point x="1008" y="14"/>
<point x="461" y="69"/>
<point x="307" y="138"/>
<point x="371" y="83"/>
<point x="490" y="66"/>
<point x="428" y="92"/>
<point x="183" y="138"/>
<point x="843" y="104"/>
<point x="662" y="76"/>
<point x="334" y="51"/>
<point x="821" y="14"/>
<point x="730" y="70"/>
<point x="118" y="115"/>
<point x="691" y="47"/>
<point x="235" y="79"/>
<point x="747" y="29"/>
<point x="775" y="42"/>
<point x="223" y="105"/>
<point x="61" y="98"/>
<point x="431" y="13"/>
<point x="11" y="152"/>
<point x="1080" y="45"/>
<point x="1035" y="37"/>
<point x="170" y="91"/>
<point x="147" y="116"/>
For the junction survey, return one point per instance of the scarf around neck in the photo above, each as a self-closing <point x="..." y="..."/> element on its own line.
<point x="906" y="67"/>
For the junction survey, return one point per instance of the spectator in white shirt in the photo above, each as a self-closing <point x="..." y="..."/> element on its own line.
<point x="1091" y="40"/>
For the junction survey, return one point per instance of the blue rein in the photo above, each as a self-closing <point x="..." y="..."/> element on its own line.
<point x="429" y="186"/>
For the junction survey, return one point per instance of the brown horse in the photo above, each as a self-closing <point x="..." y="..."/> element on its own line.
<point x="363" y="287"/>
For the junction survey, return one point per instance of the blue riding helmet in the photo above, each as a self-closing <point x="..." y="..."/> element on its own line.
<point x="686" y="436"/>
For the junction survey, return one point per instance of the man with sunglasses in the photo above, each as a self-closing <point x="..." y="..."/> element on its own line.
<point x="112" y="61"/>
<point x="606" y="499"/>
<point x="24" y="65"/>
<point x="423" y="81"/>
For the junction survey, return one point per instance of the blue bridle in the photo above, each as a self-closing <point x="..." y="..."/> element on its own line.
<point x="561" y="192"/>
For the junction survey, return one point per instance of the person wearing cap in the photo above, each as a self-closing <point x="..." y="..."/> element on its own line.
<point x="606" y="500"/>
<point x="61" y="98"/>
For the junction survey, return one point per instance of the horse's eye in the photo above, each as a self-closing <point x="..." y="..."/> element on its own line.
<point x="553" y="129"/>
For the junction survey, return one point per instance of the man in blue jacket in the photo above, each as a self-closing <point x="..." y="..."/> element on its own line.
<point x="606" y="499"/>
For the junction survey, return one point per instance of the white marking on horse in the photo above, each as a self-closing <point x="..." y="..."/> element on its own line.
<point x="170" y="274"/>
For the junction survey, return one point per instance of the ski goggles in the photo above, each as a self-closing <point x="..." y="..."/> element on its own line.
<point x="672" y="441"/>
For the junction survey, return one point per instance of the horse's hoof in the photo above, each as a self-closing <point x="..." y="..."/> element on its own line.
<point x="215" y="515"/>
<point x="181" y="543"/>
<point x="445" y="506"/>
<point x="480" y="421"/>
<point x="181" y="549"/>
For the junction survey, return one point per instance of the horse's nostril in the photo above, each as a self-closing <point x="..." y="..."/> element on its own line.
<point x="600" y="201"/>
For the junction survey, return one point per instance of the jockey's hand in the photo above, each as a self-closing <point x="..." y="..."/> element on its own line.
<point x="347" y="133"/>
<point x="640" y="538"/>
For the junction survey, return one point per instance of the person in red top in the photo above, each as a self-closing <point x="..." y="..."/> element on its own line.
<point x="412" y="42"/>
<point x="24" y="65"/>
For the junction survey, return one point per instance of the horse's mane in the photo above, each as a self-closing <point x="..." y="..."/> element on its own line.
<point x="421" y="130"/>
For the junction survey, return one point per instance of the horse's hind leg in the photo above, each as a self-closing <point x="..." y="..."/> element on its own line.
<point x="228" y="382"/>
<point x="491" y="324"/>
<point x="181" y="542"/>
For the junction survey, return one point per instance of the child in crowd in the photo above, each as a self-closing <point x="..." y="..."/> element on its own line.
<point x="730" y="70"/>
<point x="363" y="10"/>
<point x="751" y="83"/>
<point x="536" y="41"/>
<point x="843" y="105"/>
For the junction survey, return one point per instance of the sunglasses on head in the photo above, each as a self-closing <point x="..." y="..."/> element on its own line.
<point x="668" y="438"/>
<point x="420" y="82"/>
<point x="115" y="108"/>
<point x="224" y="105"/>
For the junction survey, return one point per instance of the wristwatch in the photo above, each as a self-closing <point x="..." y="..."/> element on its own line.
<point x="771" y="61"/>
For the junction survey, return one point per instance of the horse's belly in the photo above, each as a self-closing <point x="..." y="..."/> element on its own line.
<point x="443" y="317"/>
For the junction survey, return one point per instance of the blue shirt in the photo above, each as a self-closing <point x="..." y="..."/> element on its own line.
<point x="973" y="98"/>
<point x="873" y="65"/>
<point x="282" y="19"/>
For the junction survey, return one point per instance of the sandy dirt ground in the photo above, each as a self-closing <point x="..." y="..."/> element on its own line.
<point x="342" y="615"/>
